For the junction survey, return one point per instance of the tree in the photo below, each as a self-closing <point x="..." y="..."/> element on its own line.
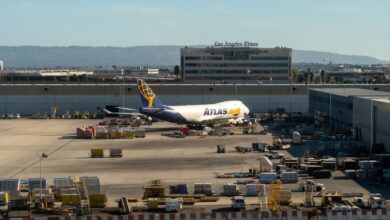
<point x="311" y="77"/>
<point x="306" y="77"/>
<point x="300" y="78"/>
<point x="323" y="76"/>
<point x="294" y="75"/>
<point x="176" y="71"/>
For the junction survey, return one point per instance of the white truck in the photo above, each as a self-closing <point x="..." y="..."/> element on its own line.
<point x="173" y="205"/>
<point x="376" y="201"/>
<point x="311" y="185"/>
<point x="238" y="202"/>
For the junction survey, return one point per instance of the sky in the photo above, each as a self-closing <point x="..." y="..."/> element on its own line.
<point x="356" y="27"/>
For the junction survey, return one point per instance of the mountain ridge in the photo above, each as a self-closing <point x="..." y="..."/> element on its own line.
<point x="156" y="55"/>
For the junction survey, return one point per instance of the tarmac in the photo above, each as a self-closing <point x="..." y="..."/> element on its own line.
<point x="173" y="160"/>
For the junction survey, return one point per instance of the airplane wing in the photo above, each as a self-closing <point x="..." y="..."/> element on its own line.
<point x="153" y="110"/>
<point x="128" y="109"/>
<point x="122" y="113"/>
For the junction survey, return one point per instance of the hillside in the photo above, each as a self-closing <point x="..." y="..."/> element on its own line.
<point x="81" y="56"/>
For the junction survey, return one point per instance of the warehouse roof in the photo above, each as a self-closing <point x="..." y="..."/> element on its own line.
<point x="347" y="92"/>
<point x="382" y="100"/>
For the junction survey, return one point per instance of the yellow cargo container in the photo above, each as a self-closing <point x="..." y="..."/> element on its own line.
<point x="101" y="135"/>
<point x="115" y="134"/>
<point x="98" y="200"/>
<point x="70" y="199"/>
<point x="152" y="203"/>
<point x="97" y="153"/>
<point x="128" y="134"/>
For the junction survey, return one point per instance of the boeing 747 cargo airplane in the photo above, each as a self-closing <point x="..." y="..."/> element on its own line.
<point x="228" y="111"/>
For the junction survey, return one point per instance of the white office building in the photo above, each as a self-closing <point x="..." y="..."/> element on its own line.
<point x="236" y="64"/>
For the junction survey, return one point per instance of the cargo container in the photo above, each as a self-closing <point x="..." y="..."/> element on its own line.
<point x="70" y="199"/>
<point x="289" y="177"/>
<point x="97" y="153"/>
<point x="322" y="174"/>
<point x="265" y="164"/>
<point x="92" y="183"/>
<point x="101" y="132"/>
<point x="62" y="183"/>
<point x="178" y="189"/>
<point x="255" y="189"/>
<point x="128" y="133"/>
<point x="115" y="132"/>
<point x="230" y="189"/>
<point x="115" y="152"/>
<point x="140" y="133"/>
<point x="12" y="186"/>
<point x="203" y="188"/>
<point x="267" y="177"/>
<point x="98" y="200"/>
<point x="36" y="183"/>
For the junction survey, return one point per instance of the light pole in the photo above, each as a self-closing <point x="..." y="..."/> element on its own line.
<point x="248" y="72"/>
<point x="371" y="118"/>
<point x="330" y="104"/>
<point x="291" y="93"/>
<point x="41" y="157"/>
<point x="123" y="92"/>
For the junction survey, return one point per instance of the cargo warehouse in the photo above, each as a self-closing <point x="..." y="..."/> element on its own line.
<point x="29" y="99"/>
<point x="348" y="109"/>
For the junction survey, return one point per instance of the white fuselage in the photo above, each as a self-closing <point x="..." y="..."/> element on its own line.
<point x="211" y="112"/>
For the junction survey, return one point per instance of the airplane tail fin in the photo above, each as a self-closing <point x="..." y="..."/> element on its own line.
<point x="148" y="98"/>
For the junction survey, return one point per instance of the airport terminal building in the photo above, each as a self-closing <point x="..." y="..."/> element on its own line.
<point x="236" y="64"/>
